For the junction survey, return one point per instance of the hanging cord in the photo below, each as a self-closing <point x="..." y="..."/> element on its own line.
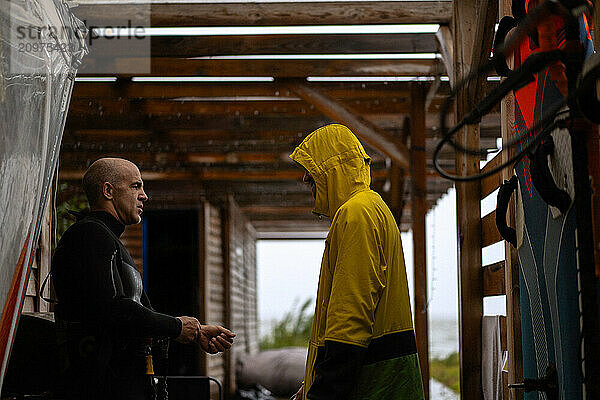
<point x="516" y="80"/>
<point x="548" y="118"/>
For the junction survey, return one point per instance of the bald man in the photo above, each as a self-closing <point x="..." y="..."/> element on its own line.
<point x="103" y="313"/>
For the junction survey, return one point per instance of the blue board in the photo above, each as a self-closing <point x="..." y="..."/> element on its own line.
<point x="548" y="275"/>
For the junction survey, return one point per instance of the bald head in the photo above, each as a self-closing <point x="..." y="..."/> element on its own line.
<point x="111" y="170"/>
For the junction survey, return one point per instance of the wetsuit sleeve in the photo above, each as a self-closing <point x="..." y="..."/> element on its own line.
<point x="133" y="319"/>
<point x="358" y="280"/>
<point x="102" y="291"/>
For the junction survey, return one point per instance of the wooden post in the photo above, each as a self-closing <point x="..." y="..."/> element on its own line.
<point x="419" y="210"/>
<point x="228" y="384"/>
<point x="511" y="269"/>
<point x="473" y="30"/>
<point x="398" y="179"/>
<point x="203" y="277"/>
<point x="511" y="266"/>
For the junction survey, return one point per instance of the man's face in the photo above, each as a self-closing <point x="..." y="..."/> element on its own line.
<point x="310" y="181"/>
<point x="129" y="195"/>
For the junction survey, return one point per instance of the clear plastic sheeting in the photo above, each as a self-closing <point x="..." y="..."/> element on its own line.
<point x="41" y="46"/>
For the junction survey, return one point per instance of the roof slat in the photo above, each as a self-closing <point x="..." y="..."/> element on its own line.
<point x="278" y="68"/>
<point x="170" y="14"/>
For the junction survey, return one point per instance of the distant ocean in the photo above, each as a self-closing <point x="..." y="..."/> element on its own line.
<point x="443" y="341"/>
<point x="443" y="337"/>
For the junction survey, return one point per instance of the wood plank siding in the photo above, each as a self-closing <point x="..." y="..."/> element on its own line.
<point x="215" y="282"/>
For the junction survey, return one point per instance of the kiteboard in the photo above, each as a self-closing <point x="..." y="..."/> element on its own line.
<point x="546" y="236"/>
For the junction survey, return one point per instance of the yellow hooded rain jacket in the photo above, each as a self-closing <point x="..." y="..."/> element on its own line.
<point x="362" y="343"/>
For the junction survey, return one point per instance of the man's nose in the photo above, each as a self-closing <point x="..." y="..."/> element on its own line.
<point x="143" y="196"/>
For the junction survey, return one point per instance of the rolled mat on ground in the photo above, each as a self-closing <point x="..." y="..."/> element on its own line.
<point x="280" y="371"/>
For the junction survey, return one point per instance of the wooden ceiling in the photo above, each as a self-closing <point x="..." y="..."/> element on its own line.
<point x="198" y="140"/>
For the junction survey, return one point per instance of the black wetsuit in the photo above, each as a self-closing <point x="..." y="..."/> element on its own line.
<point x="103" y="312"/>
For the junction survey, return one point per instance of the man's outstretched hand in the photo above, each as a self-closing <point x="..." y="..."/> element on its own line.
<point x="214" y="339"/>
<point x="189" y="330"/>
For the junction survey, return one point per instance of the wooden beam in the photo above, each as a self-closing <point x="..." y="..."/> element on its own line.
<point x="397" y="178"/>
<point x="483" y="39"/>
<point x="419" y="208"/>
<point x="278" y="68"/>
<point x="493" y="279"/>
<point x="170" y="151"/>
<point x="365" y="130"/>
<point x="226" y="45"/>
<point x="511" y="269"/>
<point x="213" y="174"/>
<point x="281" y="13"/>
<point x="309" y="225"/>
<point x="493" y="182"/>
<point x="473" y="26"/>
<point x="197" y="46"/>
<point x="240" y="90"/>
<point x="208" y="175"/>
<point x="187" y="123"/>
<point x="292" y="107"/>
<point x="235" y="124"/>
<point x="432" y="92"/>
<point x="446" y="48"/>
<point x="489" y="232"/>
<point x="277" y="210"/>
<point x="229" y="45"/>
<point x="178" y="141"/>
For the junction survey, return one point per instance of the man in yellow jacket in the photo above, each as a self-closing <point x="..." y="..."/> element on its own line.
<point x="362" y="343"/>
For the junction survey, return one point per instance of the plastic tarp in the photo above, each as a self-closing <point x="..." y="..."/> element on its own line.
<point x="41" y="46"/>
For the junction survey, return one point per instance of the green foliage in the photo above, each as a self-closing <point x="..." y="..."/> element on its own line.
<point x="67" y="200"/>
<point x="446" y="370"/>
<point x="292" y="330"/>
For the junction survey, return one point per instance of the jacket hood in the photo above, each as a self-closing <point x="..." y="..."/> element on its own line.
<point x="338" y="163"/>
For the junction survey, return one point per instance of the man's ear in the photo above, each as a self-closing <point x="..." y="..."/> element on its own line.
<point x="107" y="190"/>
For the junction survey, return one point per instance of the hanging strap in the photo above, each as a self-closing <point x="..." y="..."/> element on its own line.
<point x="506" y="24"/>
<point x="544" y="181"/>
<point x="504" y="193"/>
<point x="47" y="300"/>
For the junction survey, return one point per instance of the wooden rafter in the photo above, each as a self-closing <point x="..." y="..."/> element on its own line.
<point x="166" y="90"/>
<point x="292" y="107"/>
<point x="370" y="133"/>
<point x="446" y="48"/>
<point x="284" y="13"/>
<point x="278" y="68"/>
<point x="202" y="46"/>
<point x="419" y="208"/>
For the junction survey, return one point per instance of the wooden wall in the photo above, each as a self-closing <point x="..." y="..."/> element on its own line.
<point x="240" y="287"/>
<point x="229" y="262"/>
<point x="214" y="304"/>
